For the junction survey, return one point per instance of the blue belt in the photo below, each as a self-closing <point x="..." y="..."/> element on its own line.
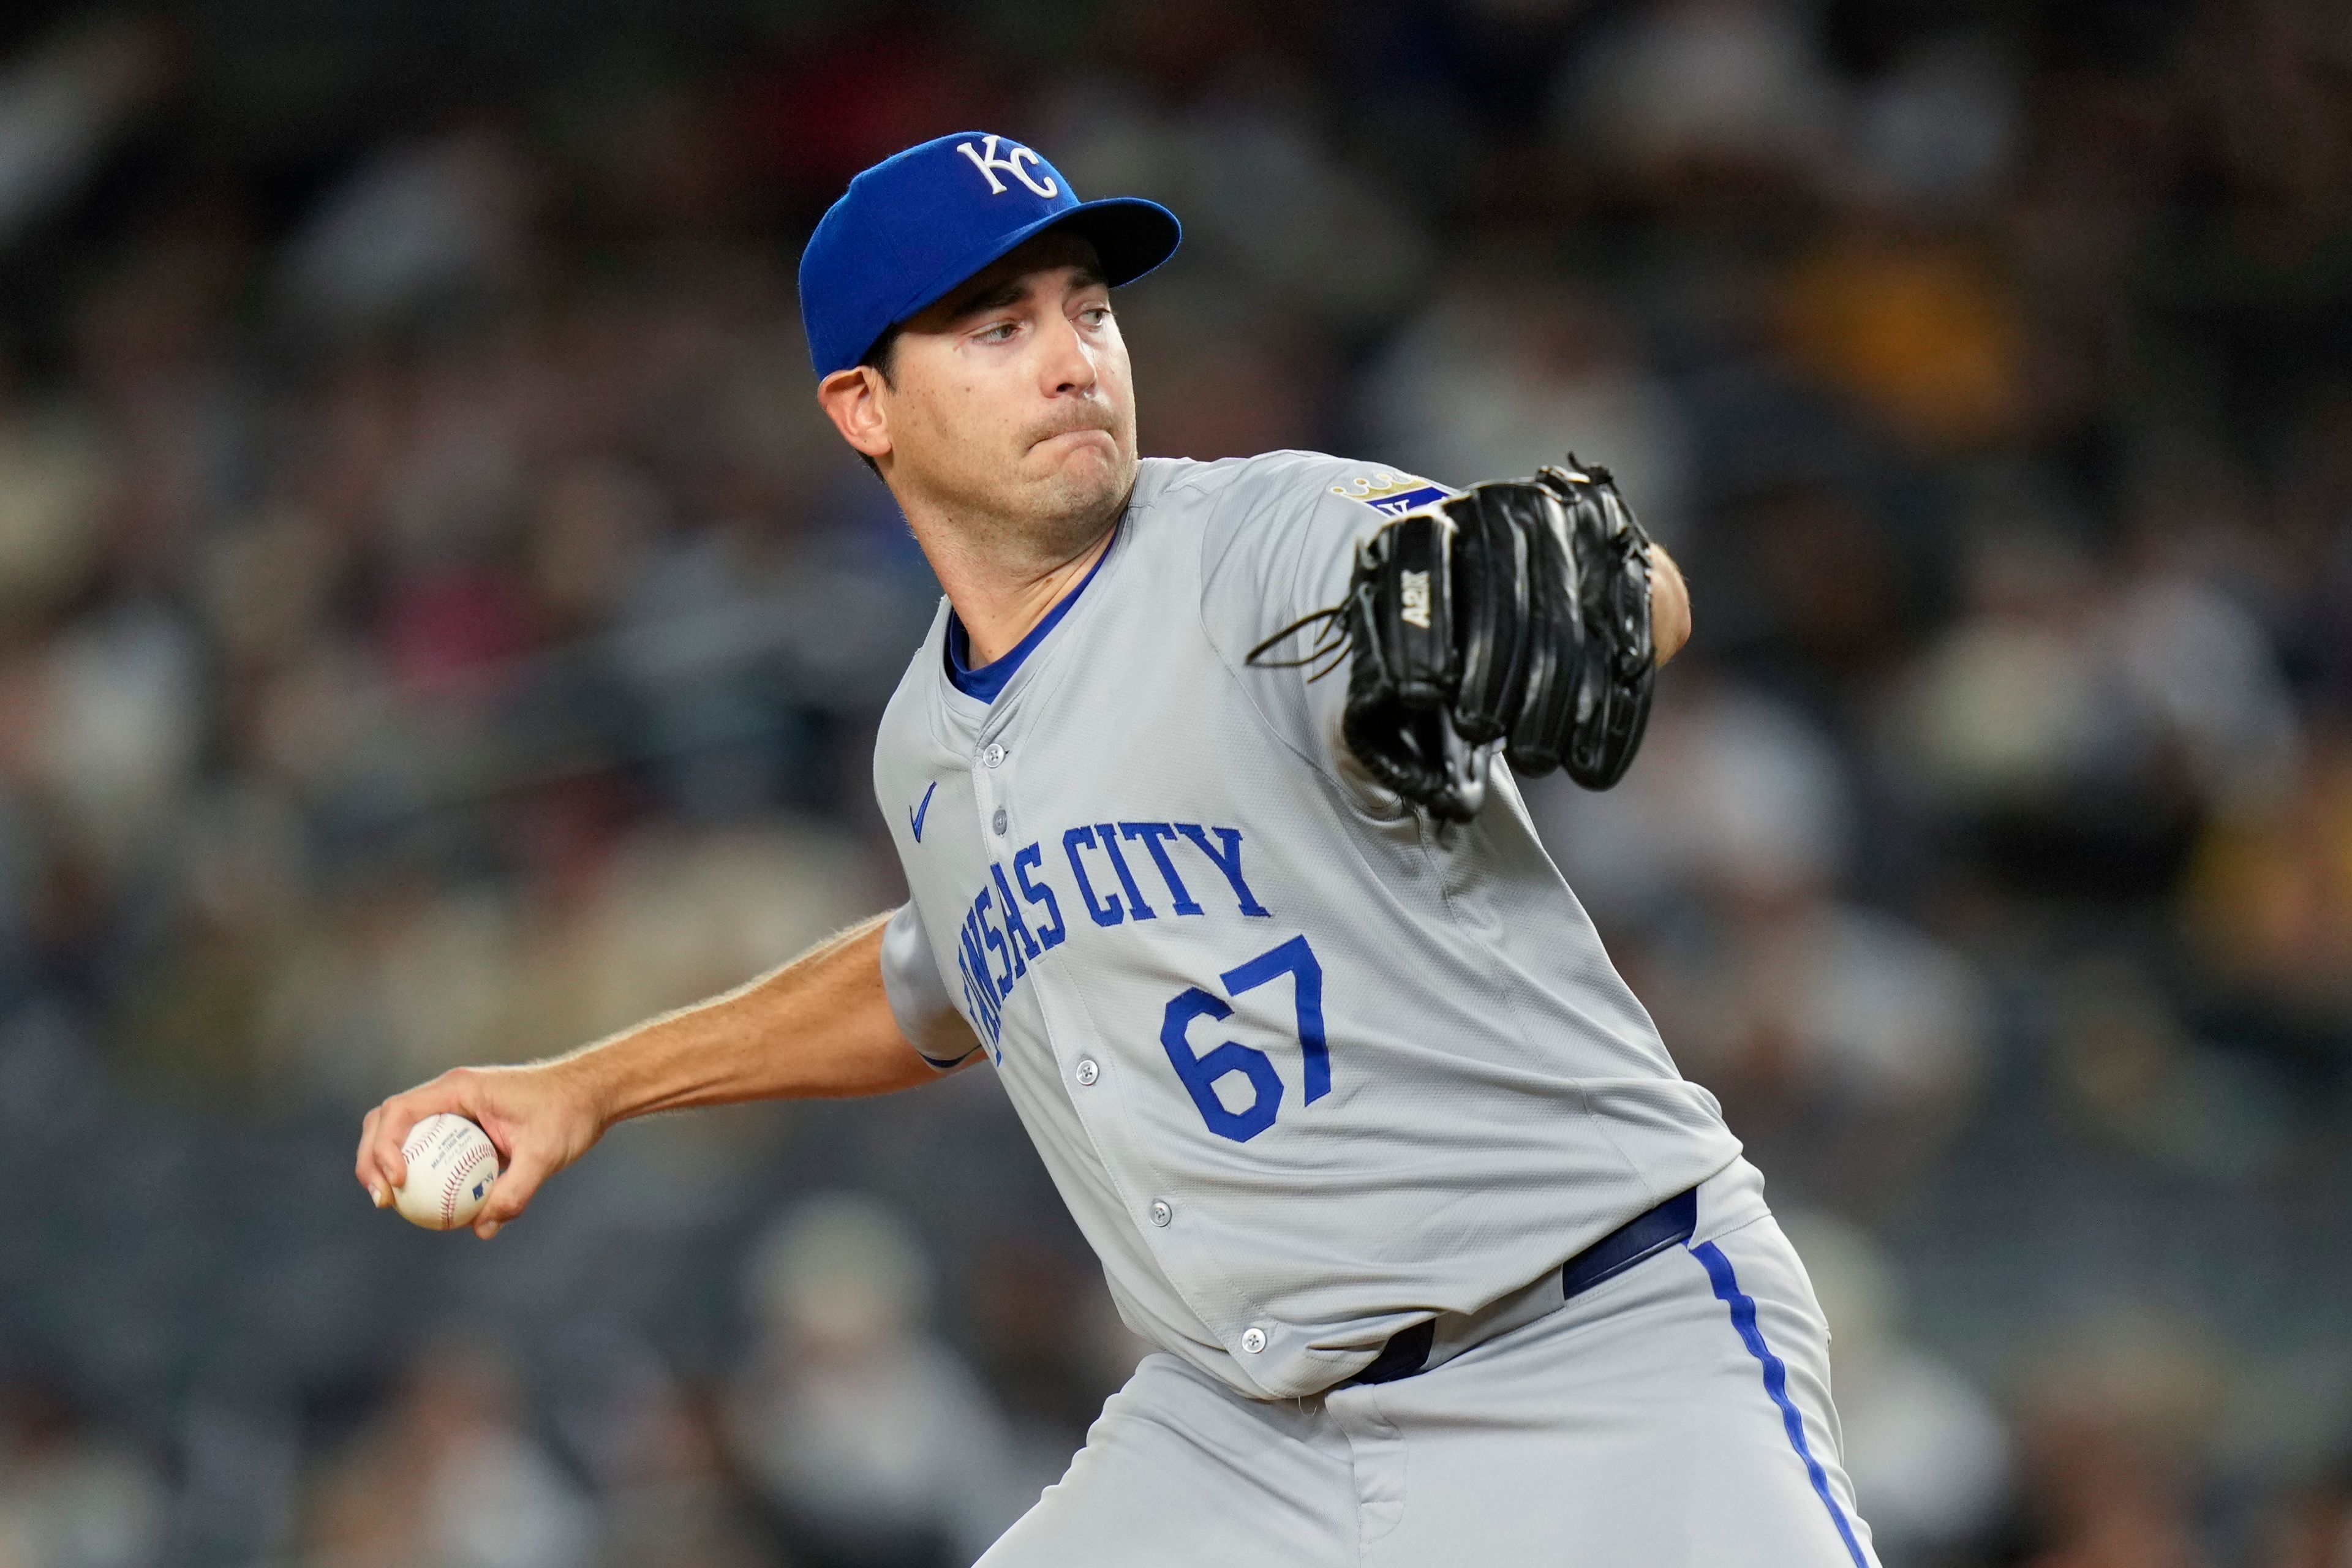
<point x="1671" y="1223"/>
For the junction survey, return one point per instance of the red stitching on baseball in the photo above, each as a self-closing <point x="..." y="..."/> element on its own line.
<point x="454" y="1184"/>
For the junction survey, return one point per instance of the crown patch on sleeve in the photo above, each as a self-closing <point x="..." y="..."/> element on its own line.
<point x="1389" y="493"/>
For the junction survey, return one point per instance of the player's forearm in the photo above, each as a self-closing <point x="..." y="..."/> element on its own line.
<point x="820" y="1027"/>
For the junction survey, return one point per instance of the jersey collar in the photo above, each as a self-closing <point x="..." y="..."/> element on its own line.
<point x="989" y="678"/>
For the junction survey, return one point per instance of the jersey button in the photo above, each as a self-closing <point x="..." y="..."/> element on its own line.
<point x="1088" y="1072"/>
<point x="1252" y="1339"/>
<point x="993" y="757"/>
<point x="1000" y="822"/>
<point x="1161" y="1213"/>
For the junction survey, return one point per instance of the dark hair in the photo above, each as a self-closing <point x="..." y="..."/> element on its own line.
<point x="885" y="350"/>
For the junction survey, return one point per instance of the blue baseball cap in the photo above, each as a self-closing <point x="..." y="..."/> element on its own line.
<point x="913" y="226"/>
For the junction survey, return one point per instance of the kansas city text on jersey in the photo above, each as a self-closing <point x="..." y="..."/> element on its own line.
<point x="1017" y="917"/>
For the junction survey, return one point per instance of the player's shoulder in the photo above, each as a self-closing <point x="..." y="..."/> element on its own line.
<point x="910" y="720"/>
<point x="1301" y="478"/>
<point x="1277" y="501"/>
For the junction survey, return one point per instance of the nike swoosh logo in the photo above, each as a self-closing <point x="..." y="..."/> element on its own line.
<point x="916" y="814"/>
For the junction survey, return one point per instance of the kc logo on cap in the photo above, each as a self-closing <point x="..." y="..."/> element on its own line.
<point x="917" y="225"/>
<point x="985" y="160"/>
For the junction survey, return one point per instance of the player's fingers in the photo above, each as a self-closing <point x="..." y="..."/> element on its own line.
<point x="512" y="1195"/>
<point x="380" y="1166"/>
<point x="392" y="1124"/>
<point x="364" y="1168"/>
<point x="398" y="1117"/>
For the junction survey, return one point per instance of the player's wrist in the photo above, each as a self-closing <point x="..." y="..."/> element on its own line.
<point x="586" y="1088"/>
<point x="1670" y="606"/>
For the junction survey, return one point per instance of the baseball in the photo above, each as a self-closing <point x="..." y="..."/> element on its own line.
<point x="452" y="1165"/>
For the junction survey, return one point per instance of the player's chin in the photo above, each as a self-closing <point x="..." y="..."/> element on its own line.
<point x="1077" y="451"/>
<point x="1082" y="472"/>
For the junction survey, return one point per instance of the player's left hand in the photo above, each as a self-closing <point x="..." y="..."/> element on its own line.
<point x="1520" y="616"/>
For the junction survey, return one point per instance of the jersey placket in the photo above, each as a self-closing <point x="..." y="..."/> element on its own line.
<point x="1150" y="1197"/>
<point x="989" y="791"/>
<point x="991" y="769"/>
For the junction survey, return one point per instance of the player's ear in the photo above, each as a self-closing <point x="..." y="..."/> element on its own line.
<point x="852" y="400"/>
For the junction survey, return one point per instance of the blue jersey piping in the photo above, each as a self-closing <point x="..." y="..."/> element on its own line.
<point x="989" y="678"/>
<point x="1776" y="1385"/>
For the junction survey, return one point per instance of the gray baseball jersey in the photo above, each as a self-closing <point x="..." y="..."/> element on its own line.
<point x="1307" y="1068"/>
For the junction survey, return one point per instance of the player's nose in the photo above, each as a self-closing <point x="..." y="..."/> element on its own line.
<point x="1068" y="365"/>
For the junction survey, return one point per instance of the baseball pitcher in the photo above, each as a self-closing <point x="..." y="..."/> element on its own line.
<point x="1205" y="784"/>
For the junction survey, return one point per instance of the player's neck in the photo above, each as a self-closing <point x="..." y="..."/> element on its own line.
<point x="999" y="610"/>
<point x="1000" y="596"/>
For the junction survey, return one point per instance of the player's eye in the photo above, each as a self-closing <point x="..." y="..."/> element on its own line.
<point x="1002" y="333"/>
<point x="1096" y="315"/>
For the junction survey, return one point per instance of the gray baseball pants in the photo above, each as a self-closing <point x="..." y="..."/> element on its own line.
<point x="1674" y="1416"/>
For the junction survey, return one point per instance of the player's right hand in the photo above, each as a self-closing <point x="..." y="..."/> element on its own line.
<point x="541" y="1117"/>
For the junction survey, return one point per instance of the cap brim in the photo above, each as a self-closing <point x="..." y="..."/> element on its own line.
<point x="1131" y="236"/>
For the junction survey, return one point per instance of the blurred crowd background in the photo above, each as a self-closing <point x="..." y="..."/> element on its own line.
<point x="436" y="626"/>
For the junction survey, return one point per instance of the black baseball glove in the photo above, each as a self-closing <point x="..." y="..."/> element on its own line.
<point x="1514" y="616"/>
